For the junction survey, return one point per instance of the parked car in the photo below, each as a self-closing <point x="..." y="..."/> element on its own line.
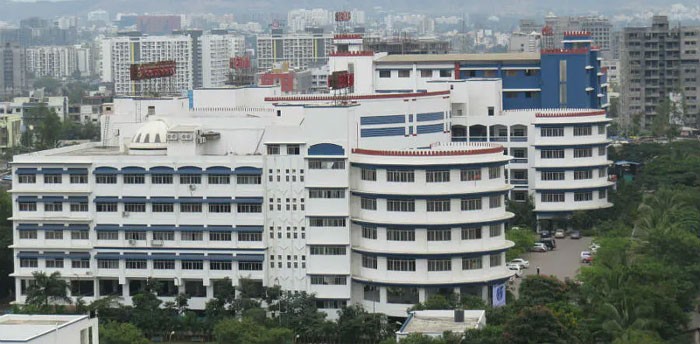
<point x="539" y="247"/>
<point x="549" y="242"/>
<point x="586" y="256"/>
<point x="545" y="234"/>
<point x="515" y="267"/>
<point x="522" y="262"/>
<point x="587" y="259"/>
<point x="575" y="235"/>
<point x="594" y="247"/>
<point x="7" y="178"/>
<point x="559" y="234"/>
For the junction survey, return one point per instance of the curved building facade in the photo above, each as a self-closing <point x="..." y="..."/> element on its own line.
<point x="427" y="222"/>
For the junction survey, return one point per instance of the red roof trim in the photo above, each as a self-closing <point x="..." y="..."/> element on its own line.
<point x="493" y="150"/>
<point x="356" y="97"/>
<point x="570" y="114"/>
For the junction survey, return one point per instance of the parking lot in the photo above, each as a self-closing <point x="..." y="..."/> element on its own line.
<point x="562" y="262"/>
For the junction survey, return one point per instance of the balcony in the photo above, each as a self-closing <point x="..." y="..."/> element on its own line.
<point x="518" y="161"/>
<point x="498" y="139"/>
<point x="518" y="139"/>
<point x="518" y="181"/>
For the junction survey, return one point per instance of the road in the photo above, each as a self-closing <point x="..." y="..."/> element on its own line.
<point x="562" y="262"/>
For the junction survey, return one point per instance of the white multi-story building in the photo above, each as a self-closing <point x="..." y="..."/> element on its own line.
<point x="53" y="61"/>
<point x="300" y="50"/>
<point x="215" y="60"/>
<point x="360" y="201"/>
<point x="118" y="53"/>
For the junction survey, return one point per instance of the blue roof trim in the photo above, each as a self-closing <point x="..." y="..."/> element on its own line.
<point x="430" y="116"/>
<point x="379" y="132"/>
<point x="577" y="168"/>
<point x="429" y="129"/>
<point x="218" y="170"/>
<point x="247" y="170"/>
<point x="449" y="196"/>
<point x="589" y="145"/>
<point x="161" y="170"/>
<point x="79" y="171"/>
<point x="468" y="284"/>
<point x="326" y="149"/>
<point x="189" y="170"/>
<point x="182" y="249"/>
<point x="133" y="170"/>
<point x="171" y="256"/>
<point x="582" y="189"/>
<point x="389" y="119"/>
<point x="579" y="124"/>
<point x="105" y="170"/>
<point x="471" y="254"/>
<point x="431" y="226"/>
<point x="26" y="170"/>
<point x="428" y="167"/>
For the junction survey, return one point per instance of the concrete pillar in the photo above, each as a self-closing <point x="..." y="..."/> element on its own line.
<point x="422" y="295"/>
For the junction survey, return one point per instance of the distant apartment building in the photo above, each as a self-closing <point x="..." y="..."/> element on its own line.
<point x="301" y="50"/>
<point x="290" y="81"/>
<point x="657" y="61"/>
<point x="12" y="70"/>
<point x="52" y="61"/>
<point x="406" y="45"/>
<point x="158" y="25"/>
<point x="522" y="42"/>
<point x="555" y="27"/>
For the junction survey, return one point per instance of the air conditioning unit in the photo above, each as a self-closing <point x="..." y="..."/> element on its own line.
<point x="125" y="214"/>
<point x="156" y="242"/>
<point x="193" y="187"/>
<point x="132" y="242"/>
<point x="201" y="140"/>
<point x="172" y="137"/>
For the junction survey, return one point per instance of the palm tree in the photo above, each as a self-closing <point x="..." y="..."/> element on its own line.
<point x="47" y="289"/>
<point x="664" y="211"/>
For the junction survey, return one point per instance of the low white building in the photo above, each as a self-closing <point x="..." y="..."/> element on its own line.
<point x="434" y="323"/>
<point x="48" y="329"/>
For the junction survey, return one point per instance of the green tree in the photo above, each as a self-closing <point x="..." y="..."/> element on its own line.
<point x="541" y="290"/>
<point x="524" y="239"/>
<point x="121" y="333"/>
<point x="536" y="324"/>
<point x="524" y="213"/>
<point x="233" y="331"/>
<point x="46" y="290"/>
<point x="355" y="325"/>
<point x="50" y="85"/>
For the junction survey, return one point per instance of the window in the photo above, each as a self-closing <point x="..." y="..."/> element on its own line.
<point x="80" y="263"/>
<point x="369" y="262"/>
<point x="135" y="207"/>
<point x="219" y="208"/>
<point x="326" y="164"/>
<point x="108" y="264"/>
<point x="134" y="179"/>
<point x="216" y="265"/>
<point x="552" y="131"/>
<point x="273" y="149"/>
<point x="439" y="264"/>
<point x="471" y="203"/>
<point x="326" y="193"/>
<point x="27" y="206"/>
<point x="495" y="260"/>
<point x="79" y="207"/>
<point x="369" y="174"/>
<point x="165" y="236"/>
<point x="79" y="235"/>
<point x="470" y="174"/>
<point x="248" y="179"/>
<point x="54" y="263"/>
<point x="368" y="203"/>
<point x="161" y="179"/>
<point x="552" y="154"/>
<point x="602" y="172"/>
<point x="250" y="266"/>
<point x="426" y="73"/>
<point x="369" y="232"/>
<point x="438" y="205"/>
<point x="439" y="234"/>
<point x="190" y="207"/>
<point x="602" y="150"/>
<point x="164" y="265"/>
<point x="398" y="176"/>
<point x="578" y="175"/>
<point x="583" y="153"/>
<point x="471" y="263"/>
<point x="495" y="230"/>
<point x="28" y="263"/>
<point x="221" y="236"/>
<point x="519" y="153"/>
<point x="404" y="73"/>
<point x="445" y="73"/>
<point x="552" y="175"/>
<point x="494" y="172"/>
<point x="28" y="234"/>
<point x="327" y="250"/>
<point x="107" y="235"/>
<point x="52" y="179"/>
<point x="402" y="295"/>
<point x="53" y="235"/>
<point x="602" y="194"/>
<point x="494" y="201"/>
<point x="329" y="280"/>
<point x="327" y="222"/>
<point x="402" y="205"/>
<point x="553" y="197"/>
<point x="441" y="176"/>
<point x="135" y="235"/>
<point x="393" y="234"/>
<point x="191" y="236"/>
<point x="293" y="150"/>
<point x="471" y="233"/>
<point x="249" y="208"/>
<point x="27" y="178"/>
<point x="601" y="129"/>
<point x="249" y="236"/>
<point x="162" y="207"/>
<point x="583" y="196"/>
<point x="400" y="264"/>
<point x="583" y="131"/>
<point x="385" y="74"/>
<point x="53" y="206"/>
<point x="192" y="265"/>
<point x="218" y="179"/>
<point x="190" y="179"/>
<point x="78" y="178"/>
<point x="106" y="178"/>
<point x="106" y="207"/>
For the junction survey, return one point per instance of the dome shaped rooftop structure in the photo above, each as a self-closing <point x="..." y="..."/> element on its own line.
<point x="151" y="137"/>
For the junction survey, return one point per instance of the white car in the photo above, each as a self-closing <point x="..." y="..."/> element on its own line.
<point x="522" y="262"/>
<point x="594" y="247"/>
<point x="560" y="234"/>
<point x="515" y="267"/>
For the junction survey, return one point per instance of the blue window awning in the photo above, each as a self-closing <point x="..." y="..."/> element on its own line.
<point x="28" y="254"/>
<point x="134" y="228"/>
<point x="27" y="226"/>
<point x="52" y="199"/>
<point x="79" y="255"/>
<point x="218" y="170"/>
<point x="191" y="228"/>
<point x="220" y="228"/>
<point x="139" y="256"/>
<point x="249" y="257"/>
<point x="77" y="171"/>
<point x="162" y="228"/>
<point x="189" y="170"/>
<point x="133" y="170"/>
<point x="190" y="200"/>
<point x="134" y="199"/>
<point x="190" y="257"/>
<point x="105" y="170"/>
<point x="163" y="256"/>
<point x="220" y="257"/>
<point x="106" y="227"/>
<point x="51" y="171"/>
<point x="168" y="200"/>
<point x="78" y="227"/>
<point x="248" y="170"/>
<point x="106" y="199"/>
<point x="257" y="200"/>
<point x="77" y="198"/>
<point x="27" y="198"/>
<point x="218" y="200"/>
<point x="54" y="255"/>
<point x="26" y="170"/>
<point x="257" y="229"/>
<point x="161" y="170"/>
<point x="108" y="255"/>
<point x="52" y="227"/>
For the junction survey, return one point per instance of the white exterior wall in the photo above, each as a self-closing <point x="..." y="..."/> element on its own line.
<point x="215" y="60"/>
<point x="71" y="329"/>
